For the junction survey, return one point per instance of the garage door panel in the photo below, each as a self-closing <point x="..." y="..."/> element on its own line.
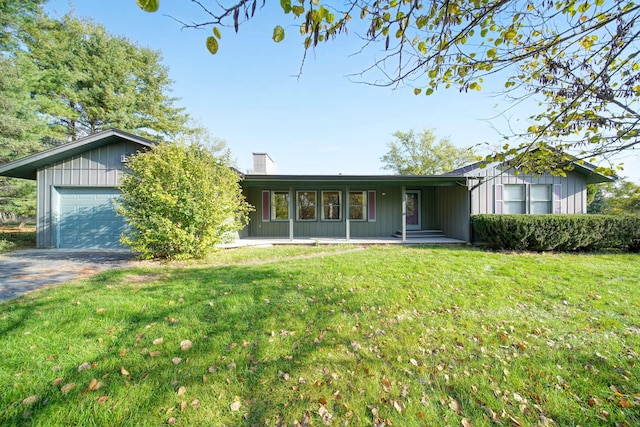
<point x="88" y="219"/>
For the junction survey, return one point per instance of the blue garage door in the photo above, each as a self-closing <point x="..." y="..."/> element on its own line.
<point x="88" y="218"/>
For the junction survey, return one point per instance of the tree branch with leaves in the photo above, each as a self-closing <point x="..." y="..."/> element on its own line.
<point x="577" y="60"/>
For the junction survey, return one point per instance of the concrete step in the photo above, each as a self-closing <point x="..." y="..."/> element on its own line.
<point x="419" y="234"/>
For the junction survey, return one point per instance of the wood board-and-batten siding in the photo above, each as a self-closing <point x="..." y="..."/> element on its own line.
<point x="570" y="191"/>
<point x="442" y="208"/>
<point x="100" y="167"/>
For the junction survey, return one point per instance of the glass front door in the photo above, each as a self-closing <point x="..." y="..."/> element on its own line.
<point x="413" y="210"/>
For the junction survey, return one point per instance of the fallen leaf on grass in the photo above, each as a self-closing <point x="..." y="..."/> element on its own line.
<point x="154" y="354"/>
<point x="399" y="406"/>
<point x="176" y="360"/>
<point x="102" y="399"/>
<point x="85" y="366"/>
<point x="466" y="423"/>
<point x="624" y="403"/>
<point x="182" y="390"/>
<point x="67" y="388"/>
<point x="124" y="372"/>
<point x="235" y="406"/>
<point x="58" y="381"/>
<point x="94" y="384"/>
<point x="171" y="421"/>
<point x="158" y="341"/>
<point x="101" y="310"/>
<point x="325" y="414"/>
<point x="30" y="400"/>
<point x="185" y="345"/>
<point x="455" y="406"/>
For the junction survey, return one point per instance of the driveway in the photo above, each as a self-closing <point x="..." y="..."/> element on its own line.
<point x="26" y="270"/>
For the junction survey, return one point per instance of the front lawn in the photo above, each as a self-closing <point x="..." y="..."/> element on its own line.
<point x="382" y="336"/>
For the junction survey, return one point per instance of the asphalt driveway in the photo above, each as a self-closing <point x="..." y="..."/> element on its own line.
<point x="26" y="270"/>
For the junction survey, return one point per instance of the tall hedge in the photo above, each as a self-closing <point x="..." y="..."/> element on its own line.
<point x="180" y="201"/>
<point x="557" y="232"/>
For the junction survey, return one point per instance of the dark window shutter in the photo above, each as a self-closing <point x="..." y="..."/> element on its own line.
<point x="498" y="198"/>
<point x="371" y="206"/>
<point x="557" y="198"/>
<point x="266" y="205"/>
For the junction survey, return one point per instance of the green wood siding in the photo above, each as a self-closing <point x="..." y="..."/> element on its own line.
<point x="442" y="208"/>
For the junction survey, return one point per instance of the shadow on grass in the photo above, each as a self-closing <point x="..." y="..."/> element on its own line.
<point x="251" y="329"/>
<point x="368" y="341"/>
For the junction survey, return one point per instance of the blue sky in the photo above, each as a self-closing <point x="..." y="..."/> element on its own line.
<point x="321" y="123"/>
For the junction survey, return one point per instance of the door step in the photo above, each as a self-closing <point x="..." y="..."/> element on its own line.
<point x="419" y="234"/>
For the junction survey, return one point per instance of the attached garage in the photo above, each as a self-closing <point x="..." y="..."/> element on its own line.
<point x="77" y="183"/>
<point x="87" y="218"/>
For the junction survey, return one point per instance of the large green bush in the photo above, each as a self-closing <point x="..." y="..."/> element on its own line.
<point x="557" y="232"/>
<point x="179" y="201"/>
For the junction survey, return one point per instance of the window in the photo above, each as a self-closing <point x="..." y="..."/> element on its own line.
<point x="523" y="198"/>
<point x="540" y="199"/>
<point x="515" y="199"/>
<point x="358" y="205"/>
<point x="306" y="205"/>
<point x="331" y="205"/>
<point x="280" y="206"/>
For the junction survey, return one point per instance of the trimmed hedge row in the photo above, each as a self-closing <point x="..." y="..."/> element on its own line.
<point x="558" y="232"/>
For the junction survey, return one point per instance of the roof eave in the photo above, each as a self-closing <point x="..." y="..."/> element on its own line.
<point x="27" y="167"/>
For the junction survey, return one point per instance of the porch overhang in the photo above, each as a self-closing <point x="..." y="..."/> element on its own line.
<point x="251" y="180"/>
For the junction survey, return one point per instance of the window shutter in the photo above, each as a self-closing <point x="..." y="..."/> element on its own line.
<point x="266" y="205"/>
<point x="557" y="198"/>
<point x="371" y="206"/>
<point x="498" y="190"/>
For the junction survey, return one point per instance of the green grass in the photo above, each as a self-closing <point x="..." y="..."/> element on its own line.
<point x="381" y="336"/>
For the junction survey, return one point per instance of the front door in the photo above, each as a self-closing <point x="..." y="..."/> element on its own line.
<point x="413" y="210"/>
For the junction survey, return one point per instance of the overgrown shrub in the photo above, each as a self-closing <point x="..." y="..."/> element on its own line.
<point x="557" y="232"/>
<point x="179" y="201"/>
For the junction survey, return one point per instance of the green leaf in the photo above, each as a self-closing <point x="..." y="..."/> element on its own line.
<point x="417" y="91"/>
<point x="278" y="34"/>
<point x="212" y="45"/>
<point x="216" y="32"/>
<point x="285" y="5"/>
<point x="429" y="91"/>
<point x="148" y="5"/>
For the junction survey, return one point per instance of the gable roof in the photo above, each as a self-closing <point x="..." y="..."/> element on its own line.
<point x="27" y="167"/>
<point x="585" y="169"/>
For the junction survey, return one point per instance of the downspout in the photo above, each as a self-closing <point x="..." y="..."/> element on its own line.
<point x="292" y="207"/>
<point x="346" y="214"/>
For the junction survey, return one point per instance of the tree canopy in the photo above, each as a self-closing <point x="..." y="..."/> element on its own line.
<point x="86" y="80"/>
<point x="616" y="198"/>
<point x="577" y="60"/>
<point x="420" y="154"/>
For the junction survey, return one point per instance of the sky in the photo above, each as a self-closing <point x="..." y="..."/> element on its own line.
<point x="324" y="121"/>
